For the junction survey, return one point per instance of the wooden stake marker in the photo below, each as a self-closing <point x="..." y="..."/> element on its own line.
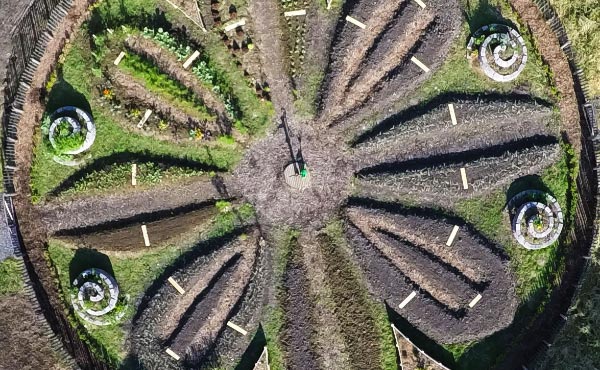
<point x="463" y="175"/>
<point x="475" y="300"/>
<point x="145" y="234"/>
<point x="356" y="22"/>
<point x="421" y="4"/>
<point x="237" y="328"/>
<point x="419" y="64"/>
<point x="8" y="210"/>
<point x="191" y="59"/>
<point x="452" y="114"/>
<point x="176" y="285"/>
<point x="172" y="354"/>
<point x="110" y="31"/>
<point x="408" y="299"/>
<point x="145" y="118"/>
<point x="295" y="13"/>
<point x="452" y="235"/>
<point x="133" y="174"/>
<point x="233" y="26"/>
<point x="119" y="58"/>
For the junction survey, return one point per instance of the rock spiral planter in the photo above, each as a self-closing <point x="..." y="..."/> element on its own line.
<point x="97" y="297"/>
<point x="536" y="218"/>
<point x="502" y="51"/>
<point x="79" y="120"/>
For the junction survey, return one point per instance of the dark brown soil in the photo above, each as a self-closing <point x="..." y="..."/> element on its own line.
<point x="475" y="262"/>
<point x="24" y="343"/>
<point x="297" y="305"/>
<point x="129" y="238"/>
<point x="215" y="281"/>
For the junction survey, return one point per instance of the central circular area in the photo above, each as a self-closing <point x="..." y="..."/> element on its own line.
<point x="271" y="177"/>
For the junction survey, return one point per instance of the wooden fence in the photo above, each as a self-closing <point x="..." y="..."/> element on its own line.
<point x="29" y="39"/>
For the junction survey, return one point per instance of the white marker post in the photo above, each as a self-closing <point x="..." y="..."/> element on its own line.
<point x="356" y="22"/>
<point x="145" y="234"/>
<point x="452" y="114"/>
<point x="233" y="26"/>
<point x="176" y="285"/>
<point x="119" y="58"/>
<point x="191" y="59"/>
<point x="134" y="174"/>
<point x="421" y="4"/>
<point x="407" y="299"/>
<point x="419" y="64"/>
<point x="452" y="235"/>
<point x="475" y="300"/>
<point x="172" y="354"/>
<point x="295" y="13"/>
<point x="237" y="328"/>
<point x="463" y="175"/>
<point x="145" y="118"/>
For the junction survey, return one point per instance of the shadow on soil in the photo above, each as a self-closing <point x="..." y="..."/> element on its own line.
<point x="440" y="100"/>
<point x="460" y="157"/>
<point x="254" y="351"/>
<point x="105" y="163"/>
<point x="88" y="258"/>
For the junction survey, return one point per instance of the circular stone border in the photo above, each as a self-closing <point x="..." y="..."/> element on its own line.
<point x="90" y="136"/>
<point x="108" y="283"/>
<point x="521" y="209"/>
<point x="496" y="31"/>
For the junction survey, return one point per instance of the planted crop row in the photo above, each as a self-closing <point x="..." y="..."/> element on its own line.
<point x="413" y="134"/>
<point x="442" y="181"/>
<point x="296" y="32"/>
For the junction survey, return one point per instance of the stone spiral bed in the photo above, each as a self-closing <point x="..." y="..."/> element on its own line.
<point x="497" y="39"/>
<point x="389" y="181"/>
<point x="96" y="287"/>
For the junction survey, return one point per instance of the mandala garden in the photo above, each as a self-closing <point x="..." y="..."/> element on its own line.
<point x="293" y="184"/>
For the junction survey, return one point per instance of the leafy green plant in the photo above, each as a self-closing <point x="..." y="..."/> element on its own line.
<point x="66" y="139"/>
<point x="167" y="41"/>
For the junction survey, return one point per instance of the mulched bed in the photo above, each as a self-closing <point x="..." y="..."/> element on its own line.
<point x="102" y="209"/>
<point x="377" y="69"/>
<point x="193" y="325"/>
<point x="24" y="342"/>
<point x="470" y="261"/>
<point x="424" y="131"/>
<point x="437" y="180"/>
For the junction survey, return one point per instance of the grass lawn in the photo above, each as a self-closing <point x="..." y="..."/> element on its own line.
<point x="134" y="275"/>
<point x="581" y="20"/>
<point x="162" y="85"/>
<point x="111" y="138"/>
<point x="10" y="277"/>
